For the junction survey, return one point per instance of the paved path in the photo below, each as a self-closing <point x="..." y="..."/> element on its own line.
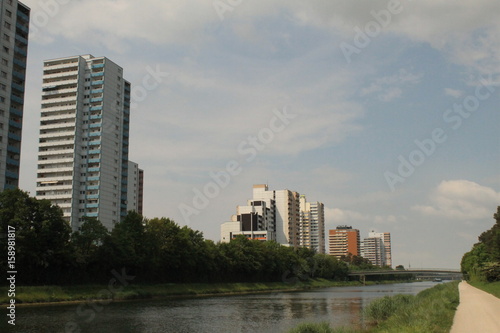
<point x="478" y="312"/>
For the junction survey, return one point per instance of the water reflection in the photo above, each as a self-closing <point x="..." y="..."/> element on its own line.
<point x="272" y="312"/>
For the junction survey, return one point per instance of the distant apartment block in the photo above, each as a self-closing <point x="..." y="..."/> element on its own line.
<point x="14" y="29"/>
<point x="377" y="248"/>
<point x="344" y="240"/>
<point x="312" y="225"/>
<point x="276" y="215"/>
<point x="84" y="139"/>
<point x="135" y="187"/>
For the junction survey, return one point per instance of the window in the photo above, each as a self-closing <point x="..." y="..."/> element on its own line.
<point x="5" y="62"/>
<point x="6" y="25"/>
<point x="6" y="37"/>
<point x="6" y="49"/>
<point x="3" y="74"/>
<point x="3" y="87"/>
<point x="8" y="13"/>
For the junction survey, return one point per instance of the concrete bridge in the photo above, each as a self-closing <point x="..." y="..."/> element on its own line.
<point x="418" y="273"/>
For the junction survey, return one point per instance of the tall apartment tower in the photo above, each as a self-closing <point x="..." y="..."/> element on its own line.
<point x="344" y="240"/>
<point x="135" y="187"/>
<point x="269" y="215"/>
<point x="312" y="225"/>
<point x="14" y="28"/>
<point x="286" y="213"/>
<point x="84" y="139"/>
<point x="377" y="248"/>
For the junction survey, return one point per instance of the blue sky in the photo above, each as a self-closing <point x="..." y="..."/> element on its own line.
<point x="225" y="69"/>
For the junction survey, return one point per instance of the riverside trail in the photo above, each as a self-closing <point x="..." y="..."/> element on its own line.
<point x="478" y="311"/>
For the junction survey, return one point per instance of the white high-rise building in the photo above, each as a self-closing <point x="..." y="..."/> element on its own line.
<point x="84" y="131"/>
<point x="377" y="248"/>
<point x="14" y="29"/>
<point x="286" y="211"/>
<point x="312" y="225"/>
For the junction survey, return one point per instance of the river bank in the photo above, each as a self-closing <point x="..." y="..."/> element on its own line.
<point x="33" y="295"/>
<point x="430" y="311"/>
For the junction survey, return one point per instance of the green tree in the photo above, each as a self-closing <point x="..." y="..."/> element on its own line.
<point x="43" y="250"/>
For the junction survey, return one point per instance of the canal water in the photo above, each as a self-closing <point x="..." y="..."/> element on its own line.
<point x="270" y="312"/>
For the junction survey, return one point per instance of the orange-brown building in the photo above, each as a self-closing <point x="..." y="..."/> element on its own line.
<point x="344" y="240"/>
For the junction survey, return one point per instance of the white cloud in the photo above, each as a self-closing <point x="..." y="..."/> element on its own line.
<point x="461" y="199"/>
<point x="389" y="87"/>
<point x="453" y="92"/>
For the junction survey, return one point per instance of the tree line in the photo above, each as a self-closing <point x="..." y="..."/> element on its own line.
<point x="482" y="262"/>
<point x="153" y="250"/>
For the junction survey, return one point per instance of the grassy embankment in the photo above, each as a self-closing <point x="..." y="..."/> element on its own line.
<point x="431" y="311"/>
<point x="490" y="287"/>
<point x="44" y="294"/>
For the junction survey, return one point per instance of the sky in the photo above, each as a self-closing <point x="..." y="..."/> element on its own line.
<point x="385" y="111"/>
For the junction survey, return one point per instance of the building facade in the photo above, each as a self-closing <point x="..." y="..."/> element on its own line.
<point x="84" y="139"/>
<point x="135" y="187"/>
<point x="14" y="29"/>
<point x="312" y="225"/>
<point x="271" y="215"/>
<point x="344" y="240"/>
<point x="377" y="248"/>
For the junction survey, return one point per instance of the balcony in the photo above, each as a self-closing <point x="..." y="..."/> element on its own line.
<point x="93" y="187"/>
<point x="20" y="63"/>
<point x="13" y="162"/>
<point x="12" y="175"/>
<point x="97" y="66"/>
<point x="95" y="83"/>
<point x="96" y="108"/>
<point x="95" y="205"/>
<point x="98" y="125"/>
<point x="98" y="74"/>
<point x="93" y="179"/>
<point x="20" y="51"/>
<point x="96" y="100"/>
<point x="22" y="27"/>
<point x="21" y="39"/>
<point x="95" y="143"/>
<point x="16" y="99"/>
<point x="13" y="149"/>
<point x="92" y="196"/>
<point x="93" y="134"/>
<point x="94" y="169"/>
<point x="14" y="136"/>
<point x="19" y="75"/>
<point x="23" y="16"/>
<point x="16" y="112"/>
<point x="15" y="124"/>
<point x="18" y="87"/>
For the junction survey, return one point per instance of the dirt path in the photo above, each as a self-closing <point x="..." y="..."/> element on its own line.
<point x="478" y="312"/>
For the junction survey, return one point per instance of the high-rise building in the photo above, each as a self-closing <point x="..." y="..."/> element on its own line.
<point x="377" y="248"/>
<point x="286" y="213"/>
<point x="135" y="187"/>
<point x="312" y="225"/>
<point x="269" y="215"/>
<point x="14" y="28"/>
<point x="84" y="139"/>
<point x="344" y="240"/>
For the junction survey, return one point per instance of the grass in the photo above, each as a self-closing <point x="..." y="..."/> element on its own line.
<point x="490" y="287"/>
<point x="42" y="294"/>
<point x="320" y="328"/>
<point x="431" y="311"/>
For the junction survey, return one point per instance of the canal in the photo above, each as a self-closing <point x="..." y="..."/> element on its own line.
<point x="270" y="312"/>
